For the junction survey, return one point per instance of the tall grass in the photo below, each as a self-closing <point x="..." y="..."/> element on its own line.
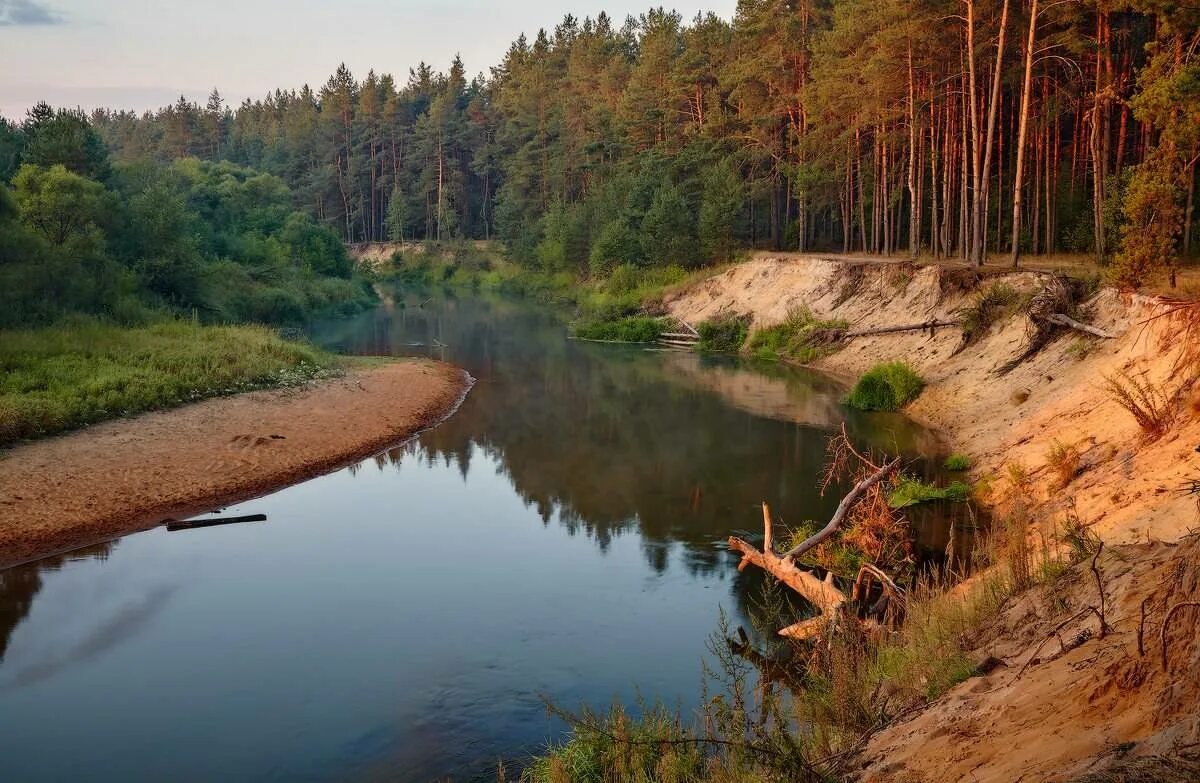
<point x="886" y="387"/>
<point x="82" y="370"/>
<point x="723" y="334"/>
<point x="1152" y="408"/>
<point x="799" y="337"/>
<point x="629" y="329"/>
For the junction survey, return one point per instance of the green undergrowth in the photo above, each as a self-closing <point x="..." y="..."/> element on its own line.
<point x="723" y="334"/>
<point x="625" y="291"/>
<point x="84" y="370"/>
<point x="886" y="387"/>
<point x="800" y="337"/>
<point x="957" y="462"/>
<point x="629" y="329"/>
<point x="910" y="491"/>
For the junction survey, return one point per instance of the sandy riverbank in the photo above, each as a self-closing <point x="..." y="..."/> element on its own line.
<point x="1047" y="711"/>
<point x="1124" y="489"/>
<point x="128" y="475"/>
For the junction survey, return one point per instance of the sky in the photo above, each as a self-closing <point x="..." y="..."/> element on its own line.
<point x="144" y="54"/>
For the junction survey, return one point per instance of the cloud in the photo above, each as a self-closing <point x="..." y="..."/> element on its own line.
<point x="26" y="12"/>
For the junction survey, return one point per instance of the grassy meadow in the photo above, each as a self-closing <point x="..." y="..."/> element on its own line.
<point x="81" y="370"/>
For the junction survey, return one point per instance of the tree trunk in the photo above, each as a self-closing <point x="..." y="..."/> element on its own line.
<point x="979" y="250"/>
<point x="1024" y="123"/>
<point x="913" y="203"/>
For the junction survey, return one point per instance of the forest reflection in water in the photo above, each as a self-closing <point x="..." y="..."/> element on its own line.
<point x="677" y="446"/>
<point x="563" y="534"/>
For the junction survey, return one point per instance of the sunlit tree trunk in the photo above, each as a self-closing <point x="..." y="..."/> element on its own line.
<point x="1024" y="122"/>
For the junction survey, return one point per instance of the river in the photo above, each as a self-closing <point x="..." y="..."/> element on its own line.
<point x="561" y="536"/>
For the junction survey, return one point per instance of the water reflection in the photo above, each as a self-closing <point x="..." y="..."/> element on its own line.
<point x="676" y="446"/>
<point x="19" y="586"/>
<point x="563" y="534"/>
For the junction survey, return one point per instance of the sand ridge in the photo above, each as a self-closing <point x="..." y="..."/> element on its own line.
<point x="130" y="474"/>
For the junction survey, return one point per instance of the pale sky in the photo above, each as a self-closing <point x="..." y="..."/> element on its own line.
<point x="142" y="55"/>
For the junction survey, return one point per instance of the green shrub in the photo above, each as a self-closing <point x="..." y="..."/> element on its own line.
<point x="723" y="334"/>
<point x="633" y="329"/>
<point x="957" y="461"/>
<point x="798" y="337"/>
<point x="886" y="387"/>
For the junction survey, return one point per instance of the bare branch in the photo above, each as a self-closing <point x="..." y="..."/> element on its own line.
<point x="843" y="510"/>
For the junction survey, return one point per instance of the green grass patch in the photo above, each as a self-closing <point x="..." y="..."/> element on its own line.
<point x="957" y="462"/>
<point x="800" y="337"/>
<point x="724" y="334"/>
<point x="83" y="371"/>
<point x="630" y="329"/>
<point x="886" y="387"/>
<point x="910" y="491"/>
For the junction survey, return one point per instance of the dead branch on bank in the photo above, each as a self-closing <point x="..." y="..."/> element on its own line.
<point x="822" y="593"/>
<point x="1048" y="313"/>
<point x="1166" y="627"/>
<point x="930" y="325"/>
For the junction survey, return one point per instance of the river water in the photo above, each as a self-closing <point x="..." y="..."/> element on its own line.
<point x="561" y="537"/>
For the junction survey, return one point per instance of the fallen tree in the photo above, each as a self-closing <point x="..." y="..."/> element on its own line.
<point x="825" y="596"/>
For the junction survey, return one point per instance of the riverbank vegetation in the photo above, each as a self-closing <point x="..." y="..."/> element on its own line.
<point x="115" y="274"/>
<point x="886" y="387"/>
<point x="800" y="708"/>
<point x="801" y="337"/>
<point x="134" y="240"/>
<point x="84" y="370"/>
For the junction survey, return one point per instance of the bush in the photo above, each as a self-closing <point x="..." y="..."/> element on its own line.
<point x="886" y="387"/>
<point x="957" y="461"/>
<point x="633" y="329"/>
<point x="1152" y="408"/>
<point x="723" y="334"/>
<point x="799" y="337"/>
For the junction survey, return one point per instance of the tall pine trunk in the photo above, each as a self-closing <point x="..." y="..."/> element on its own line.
<point x="1024" y="123"/>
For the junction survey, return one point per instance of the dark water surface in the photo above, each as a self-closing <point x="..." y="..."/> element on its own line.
<point x="562" y="535"/>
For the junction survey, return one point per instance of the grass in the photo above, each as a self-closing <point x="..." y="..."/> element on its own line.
<point x="909" y="491"/>
<point x="957" y="462"/>
<point x="800" y="337"/>
<point x="886" y="387"/>
<point x="1150" y="406"/>
<point x="83" y="371"/>
<point x="993" y="304"/>
<point x="724" y="334"/>
<point x="616" y="746"/>
<point x="628" y="329"/>
<point x="1064" y="460"/>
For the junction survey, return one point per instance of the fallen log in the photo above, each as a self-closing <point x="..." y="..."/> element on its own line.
<point x="1071" y="323"/>
<point x="680" y="335"/>
<point x="190" y="524"/>
<point x="822" y="593"/>
<point x="929" y="325"/>
<point x="677" y="343"/>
